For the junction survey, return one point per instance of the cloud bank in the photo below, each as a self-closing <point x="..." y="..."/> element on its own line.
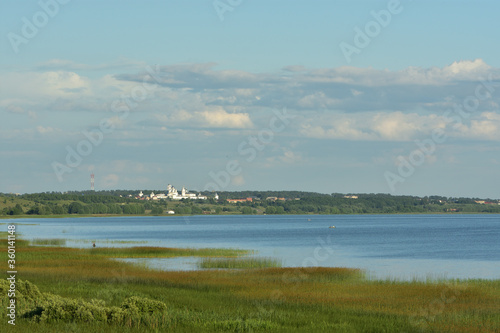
<point x="344" y="103"/>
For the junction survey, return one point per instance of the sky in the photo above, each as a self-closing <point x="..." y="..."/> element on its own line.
<point x="398" y="97"/>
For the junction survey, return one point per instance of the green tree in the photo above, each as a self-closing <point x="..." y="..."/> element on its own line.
<point x="17" y="210"/>
<point x="270" y="210"/>
<point x="58" y="210"/>
<point x="133" y="209"/>
<point x="196" y="210"/>
<point x="280" y="210"/>
<point x="35" y="210"/>
<point x="114" y="209"/>
<point x="76" y="208"/>
<point x="157" y="210"/>
<point x="246" y="210"/>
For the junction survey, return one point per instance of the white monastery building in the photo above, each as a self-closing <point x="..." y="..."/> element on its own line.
<point x="173" y="194"/>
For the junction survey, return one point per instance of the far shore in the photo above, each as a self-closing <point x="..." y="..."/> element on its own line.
<point x="9" y="217"/>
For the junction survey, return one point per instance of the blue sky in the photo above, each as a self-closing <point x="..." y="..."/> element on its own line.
<point x="261" y="95"/>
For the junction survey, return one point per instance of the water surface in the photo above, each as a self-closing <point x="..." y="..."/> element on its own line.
<point x="386" y="246"/>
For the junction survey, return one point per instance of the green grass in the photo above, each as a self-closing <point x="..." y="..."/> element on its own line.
<point x="164" y="252"/>
<point x="251" y="300"/>
<point x="238" y="263"/>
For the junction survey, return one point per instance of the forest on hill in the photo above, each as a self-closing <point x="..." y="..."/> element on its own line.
<point x="251" y="202"/>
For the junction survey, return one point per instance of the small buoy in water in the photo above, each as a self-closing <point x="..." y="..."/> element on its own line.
<point x="309" y="219"/>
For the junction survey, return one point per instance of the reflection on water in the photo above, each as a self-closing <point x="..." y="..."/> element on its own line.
<point x="166" y="264"/>
<point x="393" y="269"/>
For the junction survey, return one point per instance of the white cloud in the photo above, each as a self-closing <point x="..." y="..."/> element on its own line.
<point x="467" y="67"/>
<point x="46" y="85"/>
<point x="485" y="127"/>
<point x="342" y="129"/>
<point x="399" y="126"/>
<point x="317" y="100"/>
<point x="110" y="181"/>
<point x="355" y="92"/>
<point x="238" y="180"/>
<point x="462" y="70"/>
<point x="66" y="91"/>
<point x="222" y="119"/>
<point x="403" y="127"/>
<point x="390" y="126"/>
<point x="45" y="130"/>
<point x="212" y="117"/>
<point x="283" y="156"/>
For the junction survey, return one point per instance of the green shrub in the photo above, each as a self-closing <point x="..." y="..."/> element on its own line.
<point x="143" y="305"/>
<point x="57" y="308"/>
<point x="28" y="297"/>
<point x="49" y="308"/>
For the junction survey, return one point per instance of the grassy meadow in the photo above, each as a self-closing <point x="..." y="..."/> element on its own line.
<point x="85" y="290"/>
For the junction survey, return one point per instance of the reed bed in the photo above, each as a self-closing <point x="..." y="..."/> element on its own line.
<point x="164" y="252"/>
<point x="52" y="242"/>
<point x="238" y="263"/>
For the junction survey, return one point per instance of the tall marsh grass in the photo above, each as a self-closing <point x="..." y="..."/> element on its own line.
<point x="238" y="263"/>
<point x="52" y="242"/>
<point x="164" y="252"/>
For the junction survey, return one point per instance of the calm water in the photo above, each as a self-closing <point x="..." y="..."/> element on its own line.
<point x="386" y="246"/>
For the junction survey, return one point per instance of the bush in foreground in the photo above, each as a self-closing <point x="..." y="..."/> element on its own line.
<point x="46" y="307"/>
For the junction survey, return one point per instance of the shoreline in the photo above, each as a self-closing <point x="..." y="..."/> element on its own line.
<point x="28" y="216"/>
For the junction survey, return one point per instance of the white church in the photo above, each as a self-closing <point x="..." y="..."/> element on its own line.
<point x="173" y="194"/>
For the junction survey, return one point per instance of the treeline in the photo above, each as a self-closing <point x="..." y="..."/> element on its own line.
<point x="93" y="197"/>
<point x="77" y="203"/>
<point x="370" y="204"/>
<point x="337" y="203"/>
<point x="262" y="202"/>
<point x="262" y="195"/>
<point x="80" y="208"/>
